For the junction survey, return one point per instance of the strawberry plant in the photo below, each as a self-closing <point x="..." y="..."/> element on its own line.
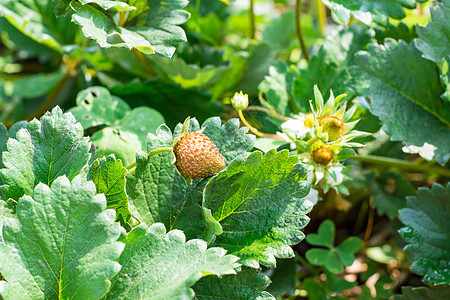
<point x="240" y="149"/>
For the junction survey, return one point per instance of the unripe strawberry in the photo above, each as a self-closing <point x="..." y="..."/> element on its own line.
<point x="333" y="126"/>
<point x="197" y="156"/>
<point x="322" y="155"/>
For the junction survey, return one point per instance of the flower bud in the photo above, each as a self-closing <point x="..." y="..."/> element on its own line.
<point x="333" y="126"/>
<point x="239" y="101"/>
<point x="322" y="155"/>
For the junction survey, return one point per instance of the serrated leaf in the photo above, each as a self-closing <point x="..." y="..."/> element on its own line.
<point x="158" y="192"/>
<point x="247" y="284"/>
<point x="45" y="253"/>
<point x="258" y="202"/>
<point x="108" y="175"/>
<point x="367" y="11"/>
<point x="436" y="292"/>
<point x="5" y="135"/>
<point x="151" y="28"/>
<point x="405" y="90"/>
<point x="124" y="129"/>
<point x="278" y="87"/>
<point x="327" y="69"/>
<point x="5" y="213"/>
<point x="160" y="265"/>
<point x="428" y="233"/>
<point x="231" y="140"/>
<point x="46" y="149"/>
<point x="389" y="193"/>
<point x="434" y="39"/>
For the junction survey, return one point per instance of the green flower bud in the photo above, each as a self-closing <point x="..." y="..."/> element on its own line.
<point x="333" y="126"/>
<point x="239" y="101"/>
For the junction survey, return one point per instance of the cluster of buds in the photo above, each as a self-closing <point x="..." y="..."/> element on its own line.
<point x="323" y="138"/>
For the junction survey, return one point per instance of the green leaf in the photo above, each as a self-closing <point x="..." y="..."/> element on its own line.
<point x="324" y="236"/>
<point x="335" y="258"/>
<point x="165" y="96"/>
<point x="158" y="192"/>
<point x="328" y="68"/>
<point x="108" y="175"/>
<point x="160" y="265"/>
<point x="35" y="86"/>
<point x="323" y="257"/>
<point x="436" y="292"/>
<point x="231" y="140"/>
<point x="434" y="39"/>
<point x="367" y="11"/>
<point x="246" y="284"/>
<point x="258" y="202"/>
<point x="108" y="4"/>
<point x="5" y="213"/>
<point x="5" y="135"/>
<point x="125" y="130"/>
<point x="63" y="245"/>
<point x="428" y="233"/>
<point x="347" y="249"/>
<point x="189" y="76"/>
<point x="405" y="90"/>
<point x="389" y="193"/>
<point x="261" y="57"/>
<point x="35" y="25"/>
<point x="288" y="90"/>
<point x="266" y="144"/>
<point x="151" y="28"/>
<point x="46" y="149"/>
<point x="278" y="87"/>
<point x="283" y="277"/>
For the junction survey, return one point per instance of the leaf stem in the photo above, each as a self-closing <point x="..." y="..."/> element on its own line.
<point x="252" y="19"/>
<point x="122" y="18"/>
<point x="255" y="131"/>
<point x="298" y="28"/>
<point x="150" y="154"/>
<point x="402" y="164"/>
<point x="144" y="62"/>
<point x="369" y="223"/>
<point x="321" y="15"/>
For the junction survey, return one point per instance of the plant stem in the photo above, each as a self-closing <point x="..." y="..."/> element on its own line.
<point x="255" y="131"/>
<point x="252" y="19"/>
<point x="270" y="112"/>
<point x="321" y="15"/>
<point x="369" y="223"/>
<point x="144" y="62"/>
<point x="298" y="28"/>
<point x="197" y="7"/>
<point x="150" y="154"/>
<point x="122" y="18"/>
<point x="402" y="164"/>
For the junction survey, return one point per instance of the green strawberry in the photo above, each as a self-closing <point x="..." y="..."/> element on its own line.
<point x="197" y="156"/>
